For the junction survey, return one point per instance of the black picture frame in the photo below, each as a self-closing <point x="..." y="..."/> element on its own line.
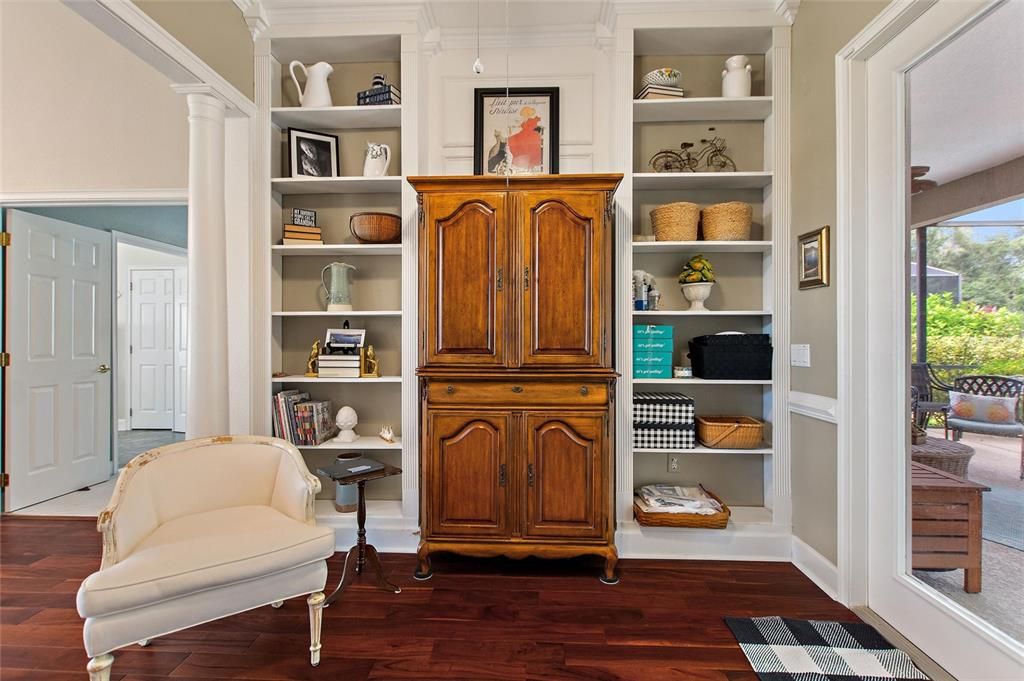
<point x="330" y="156"/>
<point x="480" y="95"/>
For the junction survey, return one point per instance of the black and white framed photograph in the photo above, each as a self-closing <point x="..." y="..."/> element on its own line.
<point x="812" y="259"/>
<point x="515" y="132"/>
<point x="313" y="154"/>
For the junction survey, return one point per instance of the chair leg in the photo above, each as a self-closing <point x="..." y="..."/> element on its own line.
<point x="99" y="667"/>
<point x="316" y="613"/>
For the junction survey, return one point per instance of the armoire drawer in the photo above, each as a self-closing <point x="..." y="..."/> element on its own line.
<point x="518" y="393"/>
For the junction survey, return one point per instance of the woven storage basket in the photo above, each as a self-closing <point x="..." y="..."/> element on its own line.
<point x="376" y="228"/>
<point x="715" y="521"/>
<point x="730" y="432"/>
<point x="675" y="221"/>
<point x="727" y="221"/>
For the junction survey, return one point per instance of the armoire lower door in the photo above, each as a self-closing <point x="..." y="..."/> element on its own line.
<point x="564" y="297"/>
<point x="564" y="476"/>
<point x="467" y="475"/>
<point x="464" y="264"/>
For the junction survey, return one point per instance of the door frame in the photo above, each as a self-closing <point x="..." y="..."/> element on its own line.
<point x="870" y="117"/>
<point x="143" y="242"/>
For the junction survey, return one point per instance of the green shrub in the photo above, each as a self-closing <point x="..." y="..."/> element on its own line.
<point x="986" y="354"/>
<point x="946" y="318"/>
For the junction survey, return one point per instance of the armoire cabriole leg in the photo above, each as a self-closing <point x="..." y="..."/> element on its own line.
<point x="316" y="614"/>
<point x="611" y="559"/>
<point x="423" y="565"/>
<point x="99" y="667"/>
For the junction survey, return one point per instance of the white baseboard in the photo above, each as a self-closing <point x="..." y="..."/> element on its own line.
<point x="817" y="567"/>
<point x="122" y="424"/>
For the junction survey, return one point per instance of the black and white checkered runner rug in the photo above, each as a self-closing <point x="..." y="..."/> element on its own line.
<point x="783" y="649"/>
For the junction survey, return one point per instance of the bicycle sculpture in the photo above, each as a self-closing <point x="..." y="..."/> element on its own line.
<point x="709" y="158"/>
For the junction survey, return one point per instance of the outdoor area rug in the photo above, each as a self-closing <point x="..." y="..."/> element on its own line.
<point x="783" y="649"/>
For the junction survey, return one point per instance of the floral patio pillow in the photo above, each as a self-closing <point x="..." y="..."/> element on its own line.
<point x="982" y="408"/>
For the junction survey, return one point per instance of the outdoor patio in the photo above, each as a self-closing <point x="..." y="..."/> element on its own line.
<point x="996" y="464"/>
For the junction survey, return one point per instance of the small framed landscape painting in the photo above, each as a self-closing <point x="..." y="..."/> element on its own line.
<point x="515" y="132"/>
<point x="313" y="154"/>
<point x="812" y="259"/>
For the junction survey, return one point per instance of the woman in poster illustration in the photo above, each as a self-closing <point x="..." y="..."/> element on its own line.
<point x="527" y="145"/>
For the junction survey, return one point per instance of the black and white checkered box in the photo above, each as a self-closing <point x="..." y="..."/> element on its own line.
<point x="664" y="436"/>
<point x="662" y="408"/>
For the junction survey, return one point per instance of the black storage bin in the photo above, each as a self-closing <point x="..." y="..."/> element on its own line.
<point x="734" y="357"/>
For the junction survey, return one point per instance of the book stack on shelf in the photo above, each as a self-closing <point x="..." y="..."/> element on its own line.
<point x="302" y="421"/>
<point x="338" y="366"/>
<point x="661" y="92"/>
<point x="303" y="230"/>
<point x="381" y="93"/>
<point x="652" y="351"/>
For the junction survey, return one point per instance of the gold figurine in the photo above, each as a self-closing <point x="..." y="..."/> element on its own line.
<point x="369" y="365"/>
<point x="311" y="363"/>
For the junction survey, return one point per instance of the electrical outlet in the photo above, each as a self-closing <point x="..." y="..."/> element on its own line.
<point x="673" y="463"/>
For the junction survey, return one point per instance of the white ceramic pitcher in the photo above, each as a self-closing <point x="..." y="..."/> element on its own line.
<point x="378" y="158"/>
<point x="736" y="77"/>
<point x="317" y="94"/>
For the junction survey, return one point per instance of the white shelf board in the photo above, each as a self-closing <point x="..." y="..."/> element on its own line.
<point x="705" y="450"/>
<point x="391" y="184"/>
<point x="696" y="381"/>
<point x="339" y="249"/>
<point x="350" y="313"/>
<point x="338" y="117"/>
<point x="641" y="247"/>
<point x="702" y="109"/>
<point x="701" y="313"/>
<point x="362" y="442"/>
<point x="671" y="181"/>
<point x="299" y="378"/>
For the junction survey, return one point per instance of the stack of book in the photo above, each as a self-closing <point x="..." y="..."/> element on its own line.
<point x="302" y="421"/>
<point x="377" y="96"/>
<point x="661" y="92"/>
<point x="338" y="366"/>
<point x="299" y="235"/>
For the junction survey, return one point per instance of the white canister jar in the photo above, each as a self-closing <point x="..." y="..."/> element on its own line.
<point x="736" y="77"/>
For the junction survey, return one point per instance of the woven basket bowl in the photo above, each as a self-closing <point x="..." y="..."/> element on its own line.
<point x="665" y="76"/>
<point x="376" y="228"/>
<point x="727" y="221"/>
<point x="675" y="221"/>
<point x="730" y="432"/>
<point x="715" y="521"/>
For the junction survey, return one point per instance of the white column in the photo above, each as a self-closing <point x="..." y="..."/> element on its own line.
<point x="207" y="281"/>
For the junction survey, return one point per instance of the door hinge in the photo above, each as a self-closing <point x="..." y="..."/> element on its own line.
<point x="131" y="285"/>
<point x="5" y="359"/>
<point x="131" y="412"/>
<point x="5" y="239"/>
<point x="131" y="349"/>
<point x="5" y="479"/>
<point x="502" y="475"/>
<point x="526" y="278"/>
<point x="423" y="340"/>
<point x="501" y="280"/>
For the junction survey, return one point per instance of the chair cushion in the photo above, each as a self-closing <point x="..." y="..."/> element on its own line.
<point x="1001" y="429"/>
<point x="204" y="551"/>
<point x="983" y="408"/>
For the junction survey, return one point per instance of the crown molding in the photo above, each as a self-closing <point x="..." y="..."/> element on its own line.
<point x="255" y="17"/>
<point x="787" y="9"/>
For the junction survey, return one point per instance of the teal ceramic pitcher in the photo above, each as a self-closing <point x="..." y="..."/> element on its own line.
<point x="339" y="296"/>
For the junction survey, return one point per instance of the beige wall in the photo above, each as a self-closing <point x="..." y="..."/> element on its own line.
<point x="79" y="112"/>
<point x="821" y="29"/>
<point x="213" y="30"/>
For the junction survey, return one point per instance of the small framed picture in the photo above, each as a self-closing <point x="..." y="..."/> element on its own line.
<point x="812" y="259"/>
<point x="344" y="341"/>
<point x="515" y="134"/>
<point x="313" y="154"/>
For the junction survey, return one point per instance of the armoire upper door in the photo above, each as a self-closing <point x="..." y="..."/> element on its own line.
<point x="465" y="267"/>
<point x="564" y="475"/>
<point x="562" y="280"/>
<point x="466" y="474"/>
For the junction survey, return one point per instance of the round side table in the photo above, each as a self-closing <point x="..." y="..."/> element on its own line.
<point x="946" y="455"/>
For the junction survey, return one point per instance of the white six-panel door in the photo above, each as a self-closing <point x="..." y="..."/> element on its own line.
<point x="59" y="334"/>
<point x="152" y="348"/>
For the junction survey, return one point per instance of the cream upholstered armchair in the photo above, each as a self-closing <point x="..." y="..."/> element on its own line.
<point x="200" y="530"/>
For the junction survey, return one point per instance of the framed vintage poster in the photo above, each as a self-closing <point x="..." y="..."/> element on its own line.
<point x="812" y="259"/>
<point x="515" y="131"/>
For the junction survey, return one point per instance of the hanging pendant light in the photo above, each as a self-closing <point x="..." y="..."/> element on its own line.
<point x="478" y="65"/>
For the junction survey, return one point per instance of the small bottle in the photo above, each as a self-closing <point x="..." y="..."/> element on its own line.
<point x="653" y="299"/>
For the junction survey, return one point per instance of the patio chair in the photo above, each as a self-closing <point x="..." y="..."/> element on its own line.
<point x="927" y="384"/>
<point x="993" y="386"/>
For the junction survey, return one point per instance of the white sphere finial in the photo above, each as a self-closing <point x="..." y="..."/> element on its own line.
<point x="346" y="421"/>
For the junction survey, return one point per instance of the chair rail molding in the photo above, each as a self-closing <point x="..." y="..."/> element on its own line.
<point x="121" y="197"/>
<point x="814" y="406"/>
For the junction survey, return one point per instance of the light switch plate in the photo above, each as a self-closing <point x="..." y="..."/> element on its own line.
<point x="800" y="355"/>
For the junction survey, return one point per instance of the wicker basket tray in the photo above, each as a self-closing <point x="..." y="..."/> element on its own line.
<point x="728" y="221"/>
<point x="715" y="521"/>
<point x="376" y="228"/>
<point x="730" y="432"/>
<point x="675" y="221"/>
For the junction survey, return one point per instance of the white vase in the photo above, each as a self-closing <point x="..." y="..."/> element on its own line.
<point x="317" y="94"/>
<point x="736" y="77"/>
<point x="378" y="158"/>
<point x="697" y="294"/>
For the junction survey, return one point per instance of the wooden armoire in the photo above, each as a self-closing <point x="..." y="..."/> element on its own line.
<point x="516" y="374"/>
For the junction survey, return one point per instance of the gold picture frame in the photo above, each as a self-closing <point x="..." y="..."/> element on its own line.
<point x="813" y="262"/>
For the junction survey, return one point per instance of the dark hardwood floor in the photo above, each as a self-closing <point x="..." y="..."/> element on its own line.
<point x="476" y="619"/>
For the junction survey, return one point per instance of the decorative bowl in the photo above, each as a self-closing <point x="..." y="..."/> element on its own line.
<point x="664" y="76"/>
<point x="376" y="228"/>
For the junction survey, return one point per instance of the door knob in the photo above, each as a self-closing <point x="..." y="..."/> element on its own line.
<point x="103" y="369"/>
